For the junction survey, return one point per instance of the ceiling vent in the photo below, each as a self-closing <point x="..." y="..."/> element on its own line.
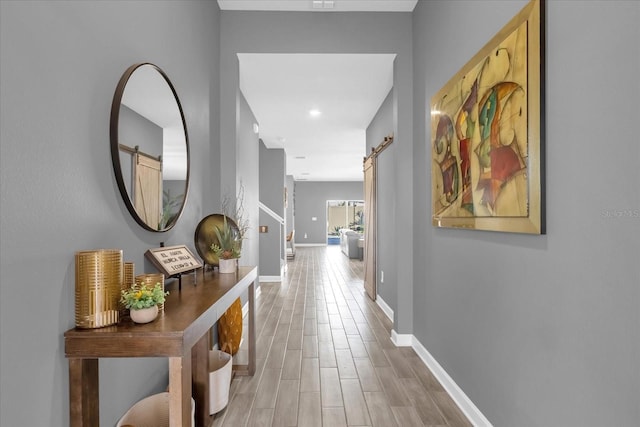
<point x="323" y="4"/>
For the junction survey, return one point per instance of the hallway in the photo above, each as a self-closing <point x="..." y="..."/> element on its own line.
<point x="324" y="357"/>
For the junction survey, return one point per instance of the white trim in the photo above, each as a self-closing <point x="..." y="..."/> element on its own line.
<point x="271" y="213"/>
<point x="311" y="244"/>
<point x="385" y="307"/>
<point x="280" y="278"/>
<point x="401" y="340"/>
<point x="464" y="403"/>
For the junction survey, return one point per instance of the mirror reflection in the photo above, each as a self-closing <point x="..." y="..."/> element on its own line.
<point x="149" y="147"/>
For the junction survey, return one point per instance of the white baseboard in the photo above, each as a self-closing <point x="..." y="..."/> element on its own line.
<point x="385" y="307"/>
<point x="280" y="278"/>
<point x="401" y="340"/>
<point x="310" y="244"/>
<point x="465" y="404"/>
<point x="269" y="279"/>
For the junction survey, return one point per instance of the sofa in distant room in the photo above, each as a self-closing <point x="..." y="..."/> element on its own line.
<point x="349" y="243"/>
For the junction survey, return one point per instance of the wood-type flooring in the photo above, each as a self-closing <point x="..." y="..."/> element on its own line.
<point x="325" y="357"/>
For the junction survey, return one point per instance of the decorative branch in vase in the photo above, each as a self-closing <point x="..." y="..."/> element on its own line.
<point x="228" y="248"/>
<point x="235" y="210"/>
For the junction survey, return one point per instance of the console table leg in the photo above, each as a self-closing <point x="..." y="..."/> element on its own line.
<point x="250" y="367"/>
<point x="200" y="370"/>
<point x="180" y="391"/>
<point x="83" y="393"/>
<point x="252" y="328"/>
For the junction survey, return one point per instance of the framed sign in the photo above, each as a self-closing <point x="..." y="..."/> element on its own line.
<point x="487" y="129"/>
<point x="173" y="260"/>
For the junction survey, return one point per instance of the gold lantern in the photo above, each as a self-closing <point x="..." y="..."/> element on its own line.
<point x="98" y="284"/>
<point x="127" y="282"/>
<point x="150" y="279"/>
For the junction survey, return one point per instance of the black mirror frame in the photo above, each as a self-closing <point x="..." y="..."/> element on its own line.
<point x="115" y="146"/>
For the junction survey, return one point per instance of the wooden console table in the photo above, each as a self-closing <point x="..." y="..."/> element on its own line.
<point x="181" y="334"/>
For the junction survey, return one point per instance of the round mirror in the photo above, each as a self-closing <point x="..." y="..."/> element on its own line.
<point x="150" y="147"/>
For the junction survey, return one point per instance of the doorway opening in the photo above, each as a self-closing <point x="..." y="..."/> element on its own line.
<point x="344" y="215"/>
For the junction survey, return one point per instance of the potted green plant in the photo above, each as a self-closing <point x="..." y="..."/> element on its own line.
<point x="142" y="301"/>
<point x="228" y="247"/>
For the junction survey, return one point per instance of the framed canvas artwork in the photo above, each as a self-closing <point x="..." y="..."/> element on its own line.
<point x="487" y="133"/>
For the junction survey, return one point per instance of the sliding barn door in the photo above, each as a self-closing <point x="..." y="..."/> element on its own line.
<point x="147" y="189"/>
<point x="370" y="226"/>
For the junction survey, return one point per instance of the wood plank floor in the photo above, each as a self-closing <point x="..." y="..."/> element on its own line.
<point x="324" y="357"/>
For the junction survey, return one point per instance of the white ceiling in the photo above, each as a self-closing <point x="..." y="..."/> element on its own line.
<point x="348" y="89"/>
<point x="321" y="6"/>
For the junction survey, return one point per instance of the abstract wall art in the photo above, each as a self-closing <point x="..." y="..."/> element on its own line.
<point x="487" y="133"/>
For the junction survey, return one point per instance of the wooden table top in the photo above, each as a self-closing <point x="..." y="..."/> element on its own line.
<point x="188" y="314"/>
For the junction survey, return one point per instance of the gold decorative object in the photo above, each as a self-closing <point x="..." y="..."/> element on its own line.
<point x="151" y="279"/>
<point x="205" y="236"/>
<point x="230" y="328"/>
<point x="98" y="283"/>
<point x="127" y="282"/>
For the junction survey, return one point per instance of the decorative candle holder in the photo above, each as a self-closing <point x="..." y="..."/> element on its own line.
<point x="127" y="282"/>
<point x="150" y="279"/>
<point x="98" y="283"/>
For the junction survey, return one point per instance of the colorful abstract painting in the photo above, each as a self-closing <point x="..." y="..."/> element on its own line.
<point x="485" y="134"/>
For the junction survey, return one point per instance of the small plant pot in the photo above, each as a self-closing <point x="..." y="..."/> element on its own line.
<point x="144" y="315"/>
<point x="227" y="265"/>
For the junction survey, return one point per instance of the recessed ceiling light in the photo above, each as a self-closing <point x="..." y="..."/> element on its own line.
<point x="300" y="157"/>
<point x="315" y="112"/>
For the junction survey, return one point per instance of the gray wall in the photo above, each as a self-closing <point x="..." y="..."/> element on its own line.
<point x="247" y="148"/>
<point x="270" y="246"/>
<point x="60" y="64"/>
<point x="542" y="330"/>
<point x="272" y="184"/>
<point x="312" y="32"/>
<point x="546" y="336"/>
<point x="382" y="125"/>
<point x="311" y="201"/>
<point x="290" y="212"/>
<point x="136" y="130"/>
<point x="272" y="178"/>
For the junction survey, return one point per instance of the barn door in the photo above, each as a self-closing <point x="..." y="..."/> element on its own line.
<point x="147" y="188"/>
<point x="370" y="226"/>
